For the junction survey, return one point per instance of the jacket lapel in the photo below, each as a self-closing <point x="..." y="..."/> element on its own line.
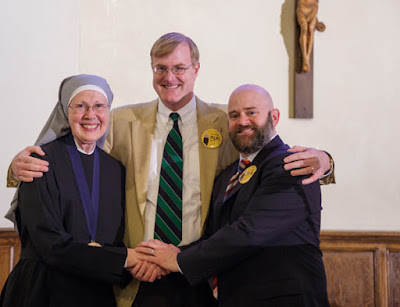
<point x="206" y="119"/>
<point x="142" y="139"/>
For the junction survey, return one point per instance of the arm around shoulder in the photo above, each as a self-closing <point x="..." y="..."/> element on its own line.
<point x="25" y="167"/>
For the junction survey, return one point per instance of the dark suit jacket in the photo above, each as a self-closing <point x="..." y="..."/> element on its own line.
<point x="57" y="267"/>
<point x="263" y="242"/>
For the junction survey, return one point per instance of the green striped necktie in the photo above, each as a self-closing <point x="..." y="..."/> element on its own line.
<point x="168" y="226"/>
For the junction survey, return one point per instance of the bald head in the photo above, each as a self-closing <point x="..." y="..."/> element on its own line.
<point x="252" y="92"/>
<point x="252" y="118"/>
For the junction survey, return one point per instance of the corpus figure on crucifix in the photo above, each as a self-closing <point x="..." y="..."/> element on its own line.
<point x="306" y="12"/>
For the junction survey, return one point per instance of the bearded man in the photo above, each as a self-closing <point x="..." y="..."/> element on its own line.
<point x="261" y="241"/>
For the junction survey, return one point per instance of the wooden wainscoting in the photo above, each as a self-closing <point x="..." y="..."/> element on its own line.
<point x="362" y="268"/>
<point x="10" y="249"/>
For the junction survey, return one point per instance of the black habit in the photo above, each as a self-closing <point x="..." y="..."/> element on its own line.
<point x="57" y="267"/>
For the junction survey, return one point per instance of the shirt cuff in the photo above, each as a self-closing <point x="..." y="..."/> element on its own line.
<point x="329" y="176"/>
<point x="179" y="268"/>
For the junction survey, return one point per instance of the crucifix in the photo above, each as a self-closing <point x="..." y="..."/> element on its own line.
<point x="306" y="13"/>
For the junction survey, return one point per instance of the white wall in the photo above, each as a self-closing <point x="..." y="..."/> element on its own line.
<point x="39" y="47"/>
<point x="355" y="82"/>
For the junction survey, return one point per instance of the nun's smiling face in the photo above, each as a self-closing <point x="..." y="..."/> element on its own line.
<point x="88" y="118"/>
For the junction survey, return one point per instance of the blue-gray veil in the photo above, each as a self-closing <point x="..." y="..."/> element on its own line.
<point x="57" y="125"/>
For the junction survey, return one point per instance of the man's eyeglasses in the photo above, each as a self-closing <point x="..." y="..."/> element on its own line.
<point x="98" y="108"/>
<point x="177" y="70"/>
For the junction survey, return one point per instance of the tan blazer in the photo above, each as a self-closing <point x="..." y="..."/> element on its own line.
<point x="129" y="140"/>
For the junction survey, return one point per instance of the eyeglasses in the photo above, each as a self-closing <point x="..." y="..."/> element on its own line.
<point x="177" y="70"/>
<point x="97" y="108"/>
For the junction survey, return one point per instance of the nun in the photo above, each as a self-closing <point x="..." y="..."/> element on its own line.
<point x="70" y="221"/>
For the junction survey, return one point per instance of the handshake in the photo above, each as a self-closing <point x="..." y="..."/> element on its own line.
<point x="152" y="259"/>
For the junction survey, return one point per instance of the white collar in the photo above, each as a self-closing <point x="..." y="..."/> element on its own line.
<point x="186" y="113"/>
<point x="81" y="150"/>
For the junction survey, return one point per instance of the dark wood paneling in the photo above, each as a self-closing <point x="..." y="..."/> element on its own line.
<point x="394" y="278"/>
<point x="4" y="263"/>
<point x="350" y="278"/>
<point x="9" y="253"/>
<point x="362" y="268"/>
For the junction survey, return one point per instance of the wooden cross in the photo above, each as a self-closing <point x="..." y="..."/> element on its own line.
<point x="306" y="14"/>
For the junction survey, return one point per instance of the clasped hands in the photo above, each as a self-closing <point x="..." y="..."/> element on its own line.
<point x="152" y="260"/>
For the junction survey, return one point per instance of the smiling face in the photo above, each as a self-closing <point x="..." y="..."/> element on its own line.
<point x="175" y="91"/>
<point x="252" y="119"/>
<point x="89" y="126"/>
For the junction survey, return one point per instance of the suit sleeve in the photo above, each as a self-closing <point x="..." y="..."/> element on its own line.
<point x="12" y="182"/>
<point x="275" y="209"/>
<point x="42" y="222"/>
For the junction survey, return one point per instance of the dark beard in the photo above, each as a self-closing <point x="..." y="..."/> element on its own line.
<point x="261" y="137"/>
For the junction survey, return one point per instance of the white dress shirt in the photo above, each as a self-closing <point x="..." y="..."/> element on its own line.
<point x="191" y="219"/>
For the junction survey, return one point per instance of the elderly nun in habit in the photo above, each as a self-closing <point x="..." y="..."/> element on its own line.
<point x="70" y="221"/>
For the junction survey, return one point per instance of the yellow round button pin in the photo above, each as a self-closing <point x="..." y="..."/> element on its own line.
<point x="211" y="138"/>
<point x="247" y="174"/>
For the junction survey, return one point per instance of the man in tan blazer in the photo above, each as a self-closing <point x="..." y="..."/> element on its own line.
<point x="136" y="137"/>
<point x="130" y="140"/>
